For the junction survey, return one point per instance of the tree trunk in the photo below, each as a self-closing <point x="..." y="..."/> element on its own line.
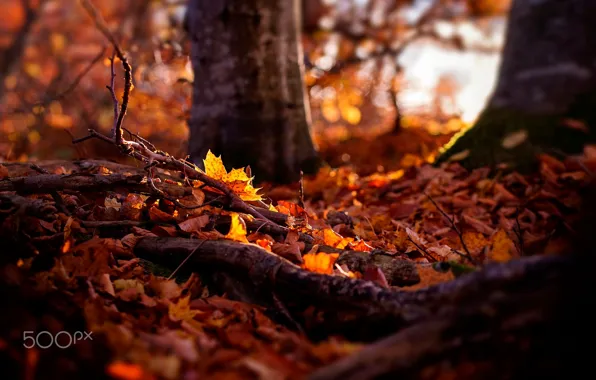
<point x="548" y="74"/>
<point x="249" y="101"/>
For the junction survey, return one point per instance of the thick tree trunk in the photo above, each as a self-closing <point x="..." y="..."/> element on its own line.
<point x="249" y="98"/>
<point x="548" y="73"/>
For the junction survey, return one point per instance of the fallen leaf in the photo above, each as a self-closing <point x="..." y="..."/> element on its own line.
<point x="157" y="215"/>
<point x="290" y="208"/>
<point x="265" y="244"/>
<point x="360" y="246"/>
<point x="288" y="251"/>
<point x="460" y="156"/>
<point x="375" y="274"/>
<point x="237" y="229"/>
<point x="320" y="262"/>
<point x="132" y="207"/>
<point x="475" y="241"/>
<point x="125" y="371"/>
<point x="181" y="311"/>
<point x="194" y="224"/>
<point x="502" y="247"/>
<point x="514" y="139"/>
<point x="236" y="179"/>
<point x="112" y="203"/>
<point x="331" y="238"/>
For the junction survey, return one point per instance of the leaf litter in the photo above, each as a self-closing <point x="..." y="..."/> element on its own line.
<point x="81" y="272"/>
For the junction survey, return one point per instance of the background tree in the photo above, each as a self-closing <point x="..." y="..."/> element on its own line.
<point x="249" y="99"/>
<point x="546" y="89"/>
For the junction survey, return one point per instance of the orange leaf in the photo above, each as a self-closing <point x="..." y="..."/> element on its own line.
<point x="475" y="241"/>
<point x="157" y="215"/>
<point x="332" y="238"/>
<point x="290" y="208"/>
<point x="125" y="371"/>
<point x="320" y="262"/>
<point x="502" y="247"/>
<point x="237" y="229"/>
<point x="66" y="246"/>
<point x="264" y="243"/>
<point x="361" y="246"/>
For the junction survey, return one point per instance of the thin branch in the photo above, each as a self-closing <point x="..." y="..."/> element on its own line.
<point x="301" y="190"/>
<point x="422" y="250"/>
<point x="186" y="259"/>
<point x="468" y="255"/>
<point x="518" y="233"/>
<point x="102" y="26"/>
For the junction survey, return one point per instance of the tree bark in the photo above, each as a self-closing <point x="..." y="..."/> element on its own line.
<point x="249" y="100"/>
<point x="548" y="74"/>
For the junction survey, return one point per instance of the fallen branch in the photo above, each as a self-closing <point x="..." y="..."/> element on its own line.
<point x="48" y="183"/>
<point x="15" y="204"/>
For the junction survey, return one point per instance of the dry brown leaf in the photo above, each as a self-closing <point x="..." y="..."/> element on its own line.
<point x="514" y="139"/>
<point x="194" y="224"/>
<point x="290" y="252"/>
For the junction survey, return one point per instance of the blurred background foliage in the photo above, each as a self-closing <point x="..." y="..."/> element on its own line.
<point x="414" y="71"/>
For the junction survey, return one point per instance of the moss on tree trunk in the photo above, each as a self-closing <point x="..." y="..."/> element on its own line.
<point x="513" y="139"/>
<point x="547" y="76"/>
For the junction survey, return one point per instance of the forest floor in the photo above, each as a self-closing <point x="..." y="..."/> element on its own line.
<point x="79" y="298"/>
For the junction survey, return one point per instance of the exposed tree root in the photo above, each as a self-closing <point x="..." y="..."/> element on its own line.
<point x="15" y="204"/>
<point x="357" y="308"/>
<point x="538" y="330"/>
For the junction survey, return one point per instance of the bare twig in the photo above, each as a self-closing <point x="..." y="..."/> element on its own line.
<point x="518" y="233"/>
<point x="102" y="26"/>
<point x="185" y="260"/>
<point x="422" y="250"/>
<point x="148" y="154"/>
<point x="468" y="255"/>
<point x="301" y="190"/>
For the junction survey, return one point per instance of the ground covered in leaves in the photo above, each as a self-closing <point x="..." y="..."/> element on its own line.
<point x="69" y="263"/>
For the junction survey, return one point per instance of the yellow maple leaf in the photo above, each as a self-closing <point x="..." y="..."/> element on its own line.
<point x="237" y="179"/>
<point x="181" y="311"/>
<point x="237" y="229"/>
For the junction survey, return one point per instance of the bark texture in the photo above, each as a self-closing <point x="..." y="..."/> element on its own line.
<point x="362" y="310"/>
<point x="548" y="74"/>
<point x="249" y="98"/>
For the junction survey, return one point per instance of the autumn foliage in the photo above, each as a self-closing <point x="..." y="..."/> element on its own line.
<point x="117" y="246"/>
